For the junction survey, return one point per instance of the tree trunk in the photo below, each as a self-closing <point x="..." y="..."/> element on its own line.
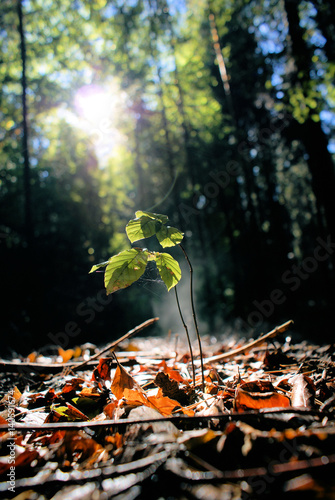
<point x="26" y="161"/>
<point x="310" y="132"/>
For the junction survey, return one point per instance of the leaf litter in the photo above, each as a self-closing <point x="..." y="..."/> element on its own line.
<point x="127" y="422"/>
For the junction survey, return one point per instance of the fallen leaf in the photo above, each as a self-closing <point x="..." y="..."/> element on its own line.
<point x="122" y="380"/>
<point x="102" y="372"/>
<point x="23" y="459"/>
<point x="73" y="385"/>
<point x="77" y="447"/>
<point x="171" y="388"/>
<point x="109" y="409"/>
<point x="89" y="392"/>
<point x="32" y="357"/>
<point x="161" y="403"/>
<point x="257" y="395"/>
<point x="303" y="390"/>
<point x="173" y="374"/>
<point x="65" y="355"/>
<point x="12" y="396"/>
<point x="74" y="413"/>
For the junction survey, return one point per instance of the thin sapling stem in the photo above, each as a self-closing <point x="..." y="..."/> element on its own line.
<point x="194" y="316"/>
<point x="187" y="333"/>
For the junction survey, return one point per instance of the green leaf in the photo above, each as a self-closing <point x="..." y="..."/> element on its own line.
<point x="142" y="227"/>
<point x="145" y="225"/>
<point x="125" y="268"/>
<point x="97" y="266"/>
<point x="159" y="217"/>
<point x="169" y="269"/>
<point x="169" y="236"/>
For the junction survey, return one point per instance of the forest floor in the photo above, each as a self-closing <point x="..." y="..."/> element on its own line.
<point x="127" y="421"/>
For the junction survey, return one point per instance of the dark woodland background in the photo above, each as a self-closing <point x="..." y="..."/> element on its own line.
<point x="218" y="113"/>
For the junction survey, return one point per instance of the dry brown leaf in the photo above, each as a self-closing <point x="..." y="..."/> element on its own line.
<point x="303" y="390"/>
<point x="257" y="395"/>
<point x="73" y="385"/>
<point x="122" y="380"/>
<point x="173" y="374"/>
<point x="77" y="352"/>
<point x="109" y="409"/>
<point x="65" y="355"/>
<point x="74" y="413"/>
<point x="161" y="403"/>
<point x="32" y="357"/>
<point x="23" y="459"/>
<point x="102" y="372"/>
<point x="170" y="388"/>
<point x="89" y="392"/>
<point x="77" y="447"/>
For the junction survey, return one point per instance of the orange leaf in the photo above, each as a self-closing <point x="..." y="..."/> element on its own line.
<point x="72" y="385"/>
<point x="89" y="392"/>
<point x="163" y="404"/>
<point x="102" y="371"/>
<point x="22" y="460"/>
<point x="66" y="355"/>
<point x="32" y="357"/>
<point x="110" y="409"/>
<point x="122" y="380"/>
<point x="174" y="374"/>
<point x="136" y="397"/>
<point x="77" y="352"/>
<point x="74" y="413"/>
<point x="257" y="395"/>
<point x="77" y="447"/>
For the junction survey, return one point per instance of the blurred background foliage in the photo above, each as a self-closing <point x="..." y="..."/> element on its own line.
<point x="217" y="113"/>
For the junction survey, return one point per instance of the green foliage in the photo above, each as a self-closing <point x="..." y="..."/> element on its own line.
<point x="123" y="269"/>
<point x="148" y="224"/>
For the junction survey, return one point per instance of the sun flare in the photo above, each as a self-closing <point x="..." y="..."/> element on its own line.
<point x="98" y="109"/>
<point x="95" y="103"/>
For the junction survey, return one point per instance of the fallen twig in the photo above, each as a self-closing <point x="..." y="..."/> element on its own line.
<point x="240" y="350"/>
<point x="112" y="346"/>
<point x="178" y="419"/>
<point x="15" y="367"/>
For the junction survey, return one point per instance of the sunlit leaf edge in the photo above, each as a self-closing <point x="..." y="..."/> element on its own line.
<point x="169" y="236"/>
<point x="136" y="228"/>
<point x="119" y="274"/>
<point x="98" y="266"/>
<point x="168" y="269"/>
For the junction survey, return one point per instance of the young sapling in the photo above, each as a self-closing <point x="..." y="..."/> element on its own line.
<point x="123" y="269"/>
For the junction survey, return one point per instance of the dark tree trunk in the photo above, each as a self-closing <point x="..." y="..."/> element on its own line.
<point x="26" y="161"/>
<point x="310" y="132"/>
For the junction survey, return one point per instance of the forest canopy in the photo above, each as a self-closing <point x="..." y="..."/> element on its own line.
<point x="219" y="114"/>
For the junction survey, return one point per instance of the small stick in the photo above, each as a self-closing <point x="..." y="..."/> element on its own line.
<point x="137" y="329"/>
<point x="279" y="329"/>
<point x="17" y="367"/>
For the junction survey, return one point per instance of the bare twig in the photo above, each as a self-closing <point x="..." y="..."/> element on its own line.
<point x="230" y="354"/>
<point x="14" y="367"/>
<point x="247" y="416"/>
<point x="112" y="346"/>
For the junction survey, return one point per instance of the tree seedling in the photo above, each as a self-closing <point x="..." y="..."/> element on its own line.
<point x="123" y="269"/>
